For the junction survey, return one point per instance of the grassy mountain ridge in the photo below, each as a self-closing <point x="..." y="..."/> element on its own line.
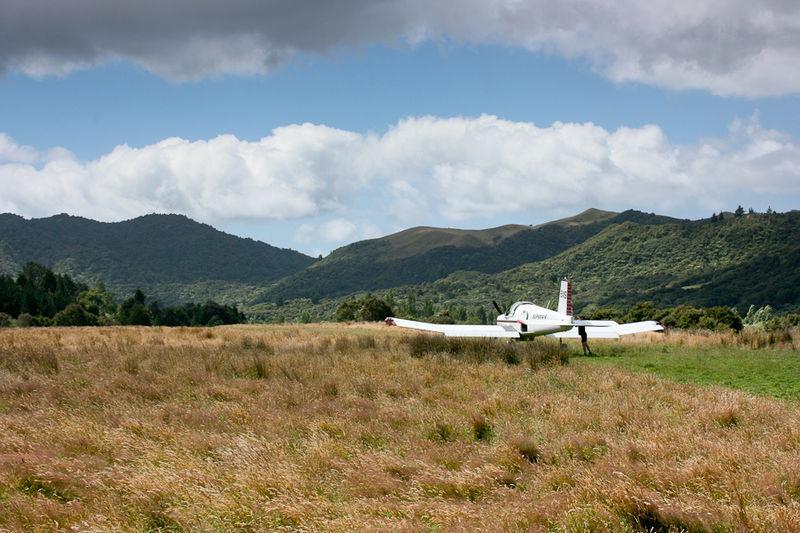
<point x="418" y="240"/>
<point x="422" y="239"/>
<point x="736" y="262"/>
<point x="741" y="261"/>
<point x="424" y="254"/>
<point x="612" y="258"/>
<point x="165" y="255"/>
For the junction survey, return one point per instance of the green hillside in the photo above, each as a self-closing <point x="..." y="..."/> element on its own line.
<point x="170" y="257"/>
<point x="739" y="261"/>
<point x="612" y="258"/>
<point x="752" y="259"/>
<point x="425" y="254"/>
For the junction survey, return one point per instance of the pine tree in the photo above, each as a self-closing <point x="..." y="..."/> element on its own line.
<point x="427" y="309"/>
<point x="411" y="305"/>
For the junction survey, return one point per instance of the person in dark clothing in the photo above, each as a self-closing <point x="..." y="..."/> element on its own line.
<point x="584" y="340"/>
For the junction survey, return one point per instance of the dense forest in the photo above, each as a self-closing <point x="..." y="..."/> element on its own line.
<point x="735" y="259"/>
<point x="40" y="297"/>
<point x="727" y="260"/>
<point x="377" y="264"/>
<point x="169" y="256"/>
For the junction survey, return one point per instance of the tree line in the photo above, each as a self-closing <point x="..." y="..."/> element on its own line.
<point x="39" y="297"/>
<point x="370" y="308"/>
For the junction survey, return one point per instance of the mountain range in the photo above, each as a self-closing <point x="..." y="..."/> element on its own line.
<point x="170" y="257"/>
<point x="613" y="259"/>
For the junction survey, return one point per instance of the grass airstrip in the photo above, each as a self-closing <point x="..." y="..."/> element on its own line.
<point x="336" y="427"/>
<point x="757" y="362"/>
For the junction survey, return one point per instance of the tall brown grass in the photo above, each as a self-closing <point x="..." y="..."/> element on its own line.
<point x="341" y="428"/>
<point x="747" y="338"/>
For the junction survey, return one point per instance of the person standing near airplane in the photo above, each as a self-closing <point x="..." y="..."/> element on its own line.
<point x="584" y="340"/>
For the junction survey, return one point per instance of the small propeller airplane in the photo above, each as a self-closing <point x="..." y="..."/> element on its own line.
<point x="526" y="320"/>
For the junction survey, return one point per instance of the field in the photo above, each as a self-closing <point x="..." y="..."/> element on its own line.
<point x="736" y="361"/>
<point x="338" y="427"/>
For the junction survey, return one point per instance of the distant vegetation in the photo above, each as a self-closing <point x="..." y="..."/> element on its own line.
<point x="728" y="261"/>
<point x="736" y="262"/>
<point x="615" y="260"/>
<point x="366" y="309"/>
<point x="171" y="257"/>
<point x="717" y="318"/>
<point x="427" y="254"/>
<point x="39" y="297"/>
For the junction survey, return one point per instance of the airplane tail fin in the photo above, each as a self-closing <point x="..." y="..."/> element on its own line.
<point x="565" y="298"/>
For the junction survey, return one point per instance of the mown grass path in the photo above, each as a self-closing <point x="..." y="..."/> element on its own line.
<point x="773" y="373"/>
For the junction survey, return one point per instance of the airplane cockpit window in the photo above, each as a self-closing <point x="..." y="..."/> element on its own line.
<point x="515" y="306"/>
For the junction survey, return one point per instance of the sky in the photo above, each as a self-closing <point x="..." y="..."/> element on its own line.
<point x="311" y="124"/>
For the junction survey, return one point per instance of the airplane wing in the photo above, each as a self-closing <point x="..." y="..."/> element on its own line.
<point x="591" y="332"/>
<point x="596" y="323"/>
<point x="639" y="327"/>
<point x="459" y="330"/>
<point x="610" y="331"/>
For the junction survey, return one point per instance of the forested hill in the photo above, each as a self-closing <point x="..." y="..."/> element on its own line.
<point x="169" y="256"/>
<point x="613" y="259"/>
<point x="737" y="261"/>
<point x="426" y="254"/>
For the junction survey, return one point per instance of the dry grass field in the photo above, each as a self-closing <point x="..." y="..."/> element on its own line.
<point x="368" y="428"/>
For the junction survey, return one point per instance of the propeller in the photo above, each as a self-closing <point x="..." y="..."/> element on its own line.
<point x="500" y="311"/>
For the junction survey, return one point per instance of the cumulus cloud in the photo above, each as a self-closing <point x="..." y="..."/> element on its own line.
<point x="336" y="231"/>
<point x="729" y="47"/>
<point x="420" y="169"/>
<point x="11" y="152"/>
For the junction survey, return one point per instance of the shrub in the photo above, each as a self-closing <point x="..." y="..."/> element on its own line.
<point x="784" y="322"/>
<point x="683" y="317"/>
<point x="74" y="315"/>
<point x="373" y="309"/>
<point x="260" y="369"/>
<point x="527" y="449"/>
<point x="482" y="429"/>
<point x="24" y="320"/>
<point x="725" y="318"/>
<point x="368" y="308"/>
<point x="5" y="320"/>
<point x="442" y="432"/>
<point x="37" y="321"/>
<point x="713" y="318"/>
<point x="346" y="311"/>
<point x="643" y="311"/>
<point x="758" y="317"/>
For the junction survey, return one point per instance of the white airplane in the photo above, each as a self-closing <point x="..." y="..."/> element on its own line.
<point x="526" y="320"/>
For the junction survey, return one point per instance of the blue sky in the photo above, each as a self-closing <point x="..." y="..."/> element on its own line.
<point x="435" y="131"/>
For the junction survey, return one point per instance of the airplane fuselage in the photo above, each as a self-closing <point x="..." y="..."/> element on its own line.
<point x="531" y="320"/>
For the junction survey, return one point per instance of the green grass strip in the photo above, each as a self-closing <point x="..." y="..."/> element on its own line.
<point x="773" y="373"/>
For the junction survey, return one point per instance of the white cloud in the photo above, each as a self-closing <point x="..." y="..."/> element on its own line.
<point x="729" y="47"/>
<point x="336" y="231"/>
<point x="421" y="169"/>
<point x="11" y="152"/>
